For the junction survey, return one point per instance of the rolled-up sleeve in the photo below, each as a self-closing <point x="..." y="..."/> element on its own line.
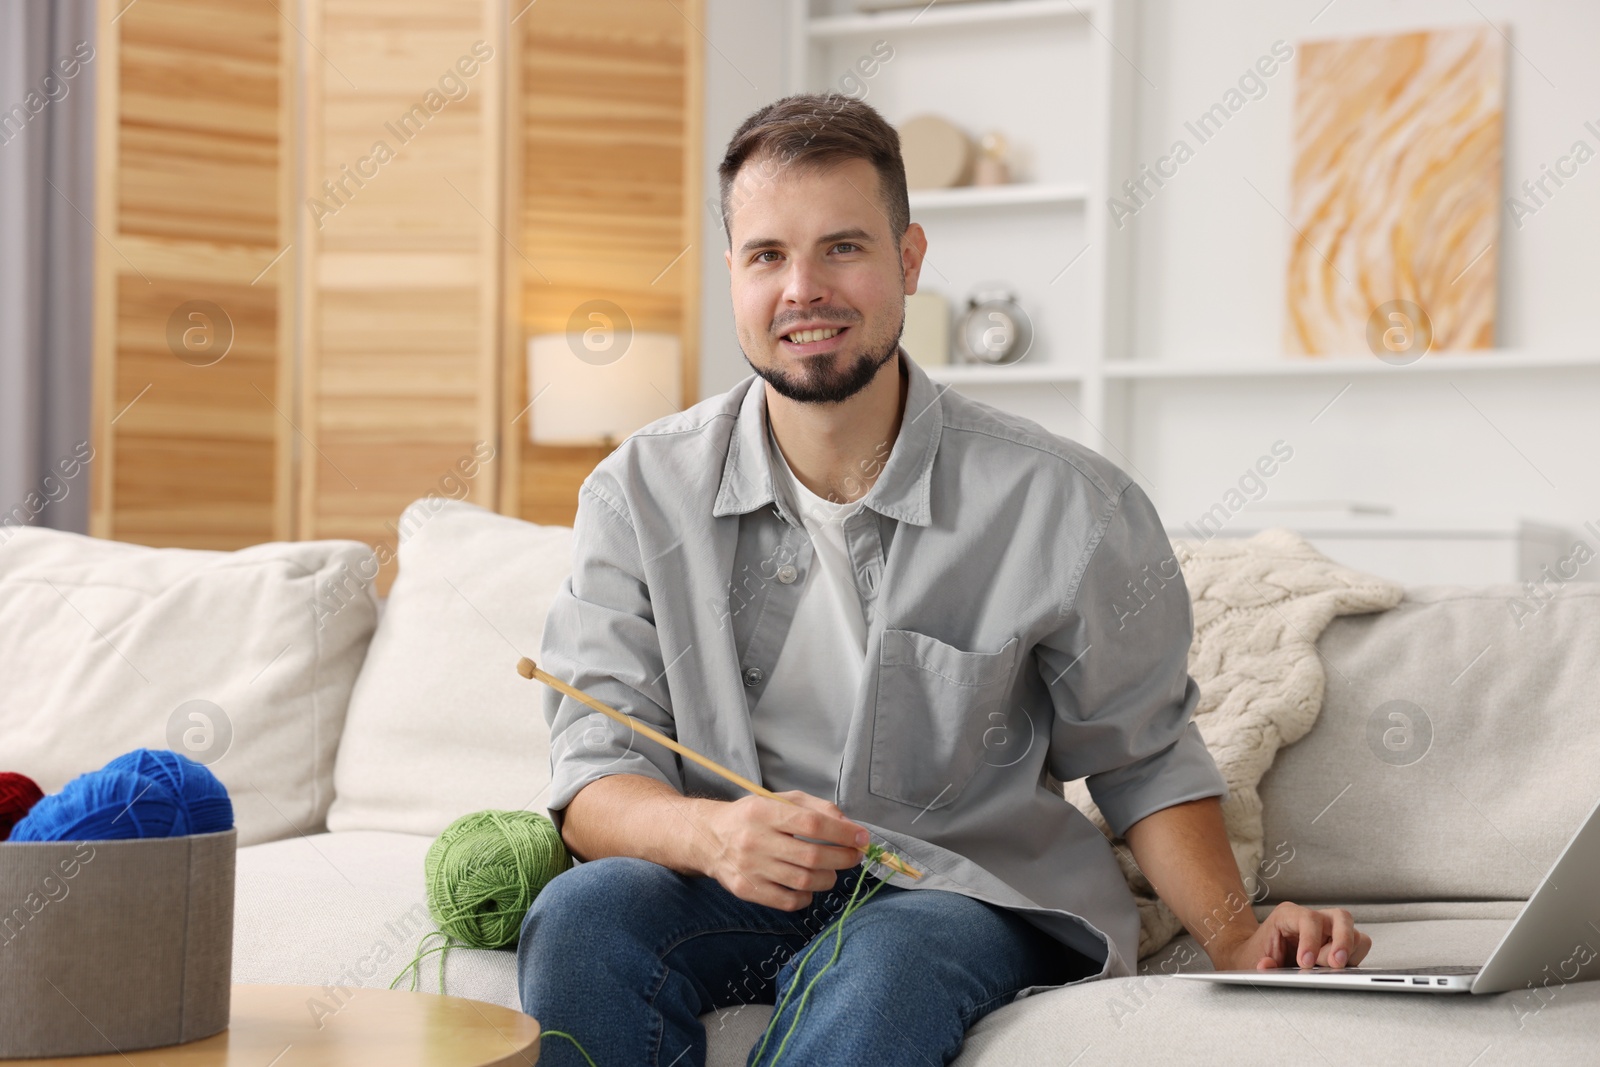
<point x="600" y="637"/>
<point x="1117" y="670"/>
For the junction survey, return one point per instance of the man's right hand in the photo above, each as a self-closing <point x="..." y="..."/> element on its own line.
<point x="760" y="857"/>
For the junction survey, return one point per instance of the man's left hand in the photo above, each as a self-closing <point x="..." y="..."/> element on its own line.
<point x="1297" y="936"/>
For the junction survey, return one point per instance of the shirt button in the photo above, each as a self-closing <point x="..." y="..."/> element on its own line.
<point x="786" y="573"/>
<point x="753" y="676"/>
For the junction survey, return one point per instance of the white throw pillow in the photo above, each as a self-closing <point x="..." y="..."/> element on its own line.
<point x="441" y="724"/>
<point x="243" y="660"/>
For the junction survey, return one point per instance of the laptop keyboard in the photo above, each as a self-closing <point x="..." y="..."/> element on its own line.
<point x="1397" y="970"/>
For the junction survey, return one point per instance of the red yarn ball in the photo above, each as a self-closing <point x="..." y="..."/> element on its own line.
<point x="18" y="793"/>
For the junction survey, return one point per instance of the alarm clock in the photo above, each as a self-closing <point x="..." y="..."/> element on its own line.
<point x="994" y="329"/>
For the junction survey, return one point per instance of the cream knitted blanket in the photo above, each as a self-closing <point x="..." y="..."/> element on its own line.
<point x="1259" y="606"/>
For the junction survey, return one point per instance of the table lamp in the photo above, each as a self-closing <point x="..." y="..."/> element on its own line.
<point x="579" y="400"/>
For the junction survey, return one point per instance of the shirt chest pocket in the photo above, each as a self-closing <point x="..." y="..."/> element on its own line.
<point x="935" y="701"/>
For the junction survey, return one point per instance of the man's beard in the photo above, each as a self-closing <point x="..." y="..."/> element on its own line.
<point x="825" y="384"/>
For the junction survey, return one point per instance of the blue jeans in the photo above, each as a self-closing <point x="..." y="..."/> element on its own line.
<point x="625" y="955"/>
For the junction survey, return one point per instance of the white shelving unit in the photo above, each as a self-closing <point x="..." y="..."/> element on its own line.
<point x="1061" y="196"/>
<point x="1470" y="362"/>
<point x="1014" y="11"/>
<point x="997" y="196"/>
<point x="1046" y="74"/>
<point x="1059" y="79"/>
<point x="1022" y="373"/>
<point x="1453" y="550"/>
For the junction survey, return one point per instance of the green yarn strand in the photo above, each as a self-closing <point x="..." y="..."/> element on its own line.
<point x="874" y="853"/>
<point x="557" y="1033"/>
<point x="416" y="961"/>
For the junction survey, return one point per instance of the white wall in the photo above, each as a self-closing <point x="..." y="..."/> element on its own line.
<point x="746" y="67"/>
<point x="1479" y="450"/>
<point x="1211" y="252"/>
<point x="1468" y="449"/>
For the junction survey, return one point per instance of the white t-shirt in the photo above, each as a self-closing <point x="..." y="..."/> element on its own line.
<point x="802" y="717"/>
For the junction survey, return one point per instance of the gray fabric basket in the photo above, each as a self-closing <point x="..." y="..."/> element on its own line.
<point x="110" y="946"/>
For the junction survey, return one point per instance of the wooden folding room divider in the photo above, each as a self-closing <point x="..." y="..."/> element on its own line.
<point x="328" y="228"/>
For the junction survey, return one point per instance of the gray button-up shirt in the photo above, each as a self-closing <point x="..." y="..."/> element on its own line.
<point x="1027" y="625"/>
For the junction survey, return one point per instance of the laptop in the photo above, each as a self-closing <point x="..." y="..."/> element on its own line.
<point x="1554" y="940"/>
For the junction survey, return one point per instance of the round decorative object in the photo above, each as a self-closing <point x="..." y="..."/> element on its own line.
<point x="18" y="793"/>
<point x="937" y="153"/>
<point x="991" y="167"/>
<point x="994" y="329"/>
<point x="484" y="871"/>
<point x="204" y="797"/>
<point x="105" y="805"/>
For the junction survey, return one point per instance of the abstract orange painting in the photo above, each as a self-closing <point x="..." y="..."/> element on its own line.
<point x="1395" y="193"/>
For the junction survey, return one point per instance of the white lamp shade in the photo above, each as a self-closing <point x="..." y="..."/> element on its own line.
<point x="576" y="401"/>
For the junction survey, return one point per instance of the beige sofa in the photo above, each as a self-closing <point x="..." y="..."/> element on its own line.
<point x="1431" y="827"/>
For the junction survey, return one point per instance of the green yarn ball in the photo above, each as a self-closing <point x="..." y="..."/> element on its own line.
<point x="484" y="871"/>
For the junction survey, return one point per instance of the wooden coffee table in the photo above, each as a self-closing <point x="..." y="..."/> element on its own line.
<point x="277" y="1026"/>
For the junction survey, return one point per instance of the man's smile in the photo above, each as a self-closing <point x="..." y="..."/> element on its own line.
<point x="817" y="339"/>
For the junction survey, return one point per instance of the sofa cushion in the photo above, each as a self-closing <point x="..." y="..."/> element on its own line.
<point x="441" y="724"/>
<point x="1455" y="755"/>
<point x="1142" y="1019"/>
<point x="347" y="909"/>
<point x="243" y="660"/>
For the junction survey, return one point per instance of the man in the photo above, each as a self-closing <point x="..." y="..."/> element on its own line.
<point x="876" y="597"/>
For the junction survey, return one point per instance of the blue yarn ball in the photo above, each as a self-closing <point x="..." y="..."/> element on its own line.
<point x="203" y="796"/>
<point x="105" y="806"/>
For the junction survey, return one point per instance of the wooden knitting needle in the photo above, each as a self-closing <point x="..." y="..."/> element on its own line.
<point x="528" y="669"/>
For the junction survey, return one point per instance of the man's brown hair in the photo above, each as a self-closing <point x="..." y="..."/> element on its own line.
<point x="818" y="130"/>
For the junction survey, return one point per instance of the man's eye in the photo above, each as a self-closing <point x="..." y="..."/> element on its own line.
<point x="769" y="252"/>
<point x="849" y="245"/>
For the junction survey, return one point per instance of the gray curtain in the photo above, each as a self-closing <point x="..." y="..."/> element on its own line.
<point x="48" y="64"/>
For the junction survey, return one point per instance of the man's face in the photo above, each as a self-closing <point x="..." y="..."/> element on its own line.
<point x="811" y="251"/>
